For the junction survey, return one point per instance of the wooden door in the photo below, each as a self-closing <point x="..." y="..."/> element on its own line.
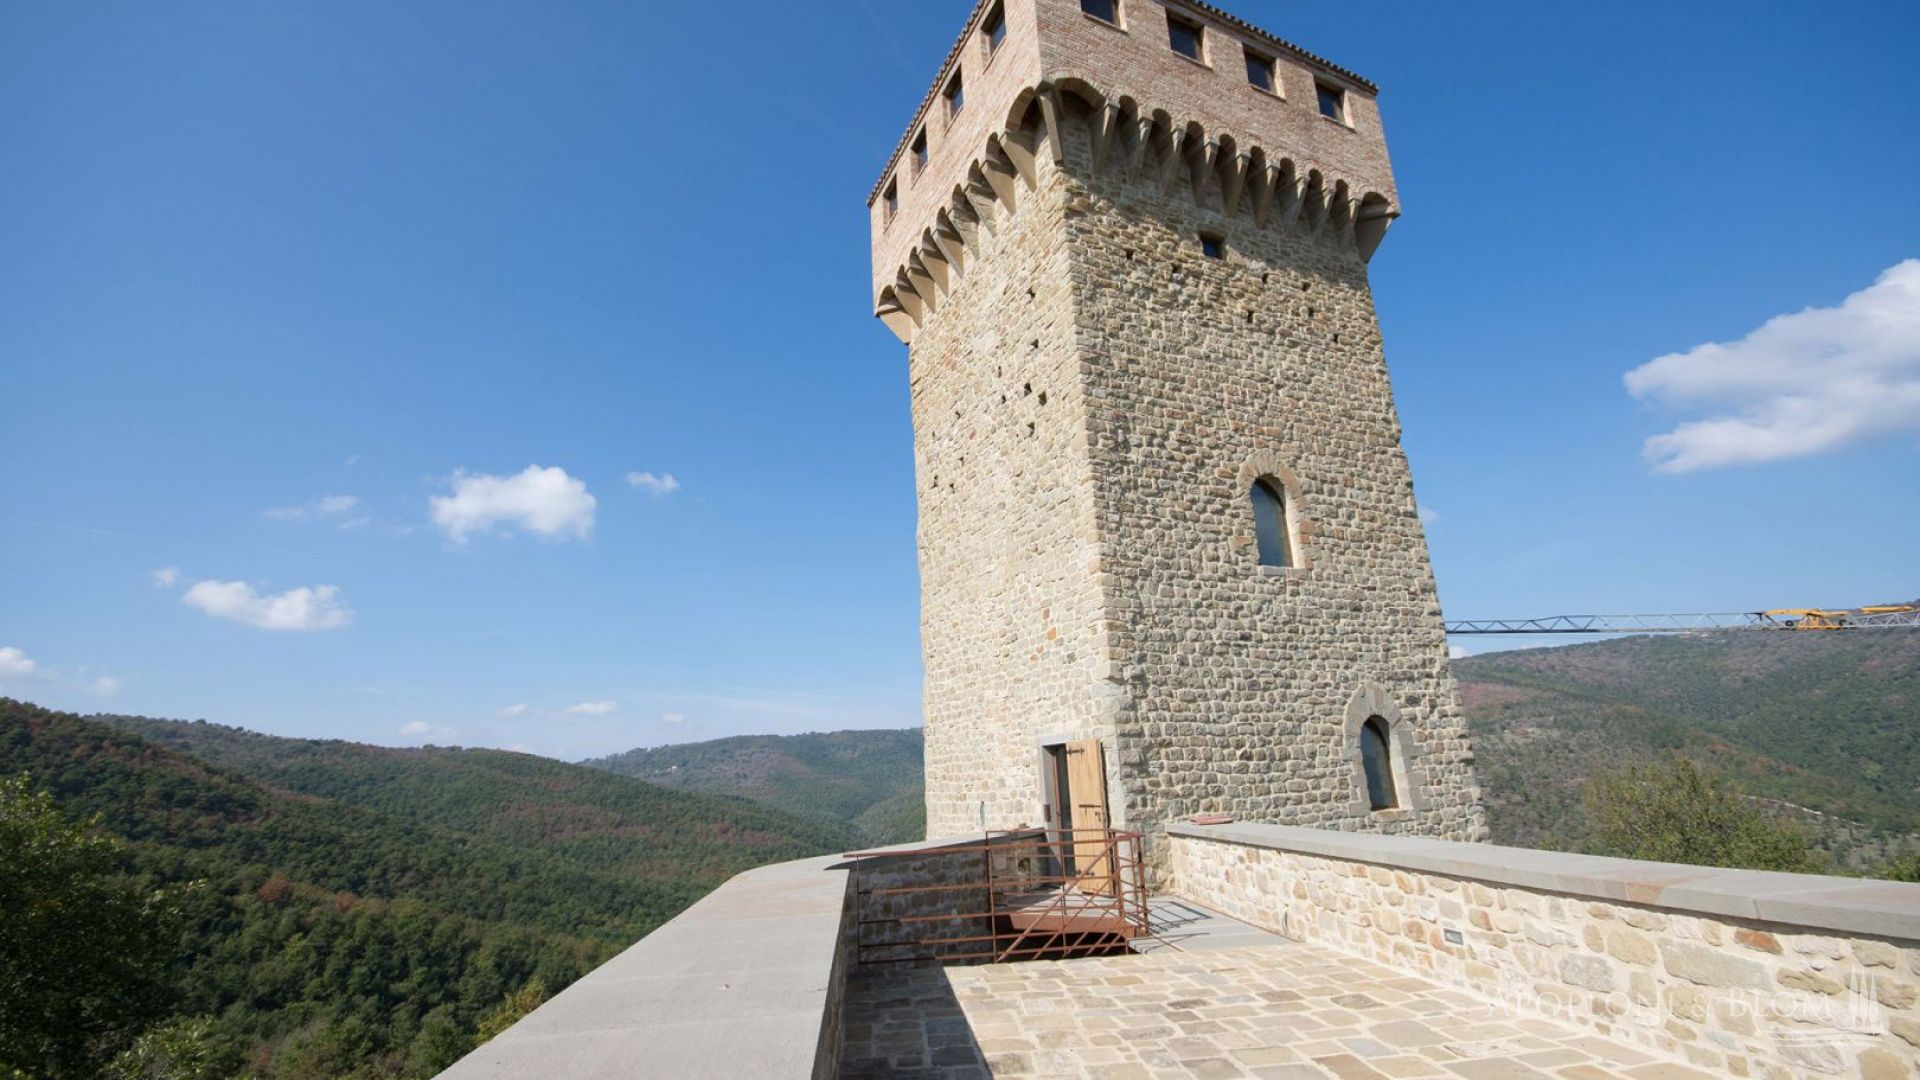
<point x="1086" y="795"/>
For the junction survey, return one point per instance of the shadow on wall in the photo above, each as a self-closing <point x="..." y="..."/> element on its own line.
<point x="901" y="1020"/>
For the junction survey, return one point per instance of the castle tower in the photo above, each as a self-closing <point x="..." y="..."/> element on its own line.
<point x="1169" y="552"/>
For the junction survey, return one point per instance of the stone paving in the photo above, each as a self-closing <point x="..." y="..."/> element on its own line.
<point x="1285" y="1011"/>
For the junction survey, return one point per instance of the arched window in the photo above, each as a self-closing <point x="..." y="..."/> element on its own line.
<point x="1377" y="759"/>
<point x="1270" y="524"/>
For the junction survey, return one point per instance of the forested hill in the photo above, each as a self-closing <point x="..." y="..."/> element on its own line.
<point x="869" y="778"/>
<point x="1825" y="721"/>
<point x="1821" y="720"/>
<point x="359" y="909"/>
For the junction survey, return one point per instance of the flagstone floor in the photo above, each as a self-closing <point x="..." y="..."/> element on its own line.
<point x="1282" y="1011"/>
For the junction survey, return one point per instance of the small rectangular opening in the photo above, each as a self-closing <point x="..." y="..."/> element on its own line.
<point x="956" y="95"/>
<point x="1187" y="38"/>
<point x="1213" y="245"/>
<point x="994" y="28"/>
<point x="919" y="151"/>
<point x="1104" y="10"/>
<point x="1333" y="101"/>
<point x="1260" y="73"/>
<point x="892" y="199"/>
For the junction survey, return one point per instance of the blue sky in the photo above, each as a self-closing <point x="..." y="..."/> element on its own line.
<point x="275" y="278"/>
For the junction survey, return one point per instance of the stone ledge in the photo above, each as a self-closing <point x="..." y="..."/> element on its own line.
<point x="745" y="983"/>
<point x="736" y="985"/>
<point x="1809" y="901"/>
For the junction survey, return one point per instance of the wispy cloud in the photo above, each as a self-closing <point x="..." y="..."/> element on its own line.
<point x="16" y="664"/>
<point x="166" y="577"/>
<point x="513" y="711"/>
<point x="307" y="608"/>
<point x="1801" y="384"/>
<point x="420" y="729"/>
<point x="1429" y="516"/>
<point x="543" y="501"/>
<point x="656" y="485"/>
<point x="673" y="718"/>
<point x="106" y="686"/>
<point x="327" y="506"/>
<point x="592" y="708"/>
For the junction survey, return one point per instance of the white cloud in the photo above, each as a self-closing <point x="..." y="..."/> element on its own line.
<point x="673" y="718"/>
<point x="106" y="686"/>
<point x="1801" y="384"/>
<point x="16" y="664"/>
<point x="591" y="708"/>
<point x="315" y="608"/>
<point x="513" y="711"/>
<point x="420" y="729"/>
<point x="1457" y="651"/>
<point x="166" y="577"/>
<point x="544" y="501"/>
<point x="1429" y="516"/>
<point x="656" y="486"/>
<point x="327" y="506"/>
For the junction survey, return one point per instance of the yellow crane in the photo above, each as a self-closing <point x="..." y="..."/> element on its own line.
<point x="1874" y="617"/>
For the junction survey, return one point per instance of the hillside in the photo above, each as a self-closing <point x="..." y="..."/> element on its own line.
<point x="1825" y="722"/>
<point x="352" y="911"/>
<point x="1826" y="725"/>
<point x="868" y="778"/>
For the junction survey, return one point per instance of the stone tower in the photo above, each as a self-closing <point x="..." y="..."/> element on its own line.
<point x="1166" y="523"/>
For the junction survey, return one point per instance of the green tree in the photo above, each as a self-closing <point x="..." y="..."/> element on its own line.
<point x="509" y="1012"/>
<point x="1905" y="868"/>
<point x="1678" y="813"/>
<point x="84" y="953"/>
<point x="190" y="1048"/>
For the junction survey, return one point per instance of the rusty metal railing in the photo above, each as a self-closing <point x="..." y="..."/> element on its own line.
<point x="1013" y="895"/>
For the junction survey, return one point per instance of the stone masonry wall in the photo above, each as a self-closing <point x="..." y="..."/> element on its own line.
<point x="1740" y="997"/>
<point x="1006" y="534"/>
<point x="1091" y="402"/>
<point x="1202" y="374"/>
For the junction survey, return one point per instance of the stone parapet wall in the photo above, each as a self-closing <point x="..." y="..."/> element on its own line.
<point x="1744" y="973"/>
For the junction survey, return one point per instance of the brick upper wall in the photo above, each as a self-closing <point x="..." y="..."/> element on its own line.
<point x="1054" y="42"/>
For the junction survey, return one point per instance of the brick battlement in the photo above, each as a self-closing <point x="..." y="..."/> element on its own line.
<point x="1239" y="146"/>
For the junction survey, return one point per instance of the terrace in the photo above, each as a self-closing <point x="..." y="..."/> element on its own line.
<point x="1270" y="951"/>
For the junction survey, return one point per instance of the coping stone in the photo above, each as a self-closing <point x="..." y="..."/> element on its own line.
<point x="1814" y="902"/>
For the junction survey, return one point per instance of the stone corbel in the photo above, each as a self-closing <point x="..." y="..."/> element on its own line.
<point x="952" y="244"/>
<point x="1137" y="149"/>
<point x="934" y="263"/>
<point x="1233" y="178"/>
<point x="1266" y="184"/>
<point x="1104" y="125"/>
<point x="1170" y="162"/>
<point x="1202" y="167"/>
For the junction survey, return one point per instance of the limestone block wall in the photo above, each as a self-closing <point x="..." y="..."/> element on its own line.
<point x="1743" y="973"/>
<point x="941" y="878"/>
<point x="1010" y="604"/>
<point x="1204" y="374"/>
<point x="1092" y="398"/>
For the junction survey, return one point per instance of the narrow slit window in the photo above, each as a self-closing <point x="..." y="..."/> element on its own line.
<point x="1376" y="759"/>
<point x="892" y="199"/>
<point x="994" y="29"/>
<point x="919" y="151"/>
<point x="956" y="96"/>
<point x="1270" y="525"/>
<point x="1260" y="74"/>
<point x="1104" y="10"/>
<point x="1213" y="245"/>
<point x="1187" y="38"/>
<point x="1333" y="102"/>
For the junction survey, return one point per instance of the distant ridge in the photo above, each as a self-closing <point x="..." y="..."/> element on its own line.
<point x="871" y="779"/>
<point x="1822" y="726"/>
